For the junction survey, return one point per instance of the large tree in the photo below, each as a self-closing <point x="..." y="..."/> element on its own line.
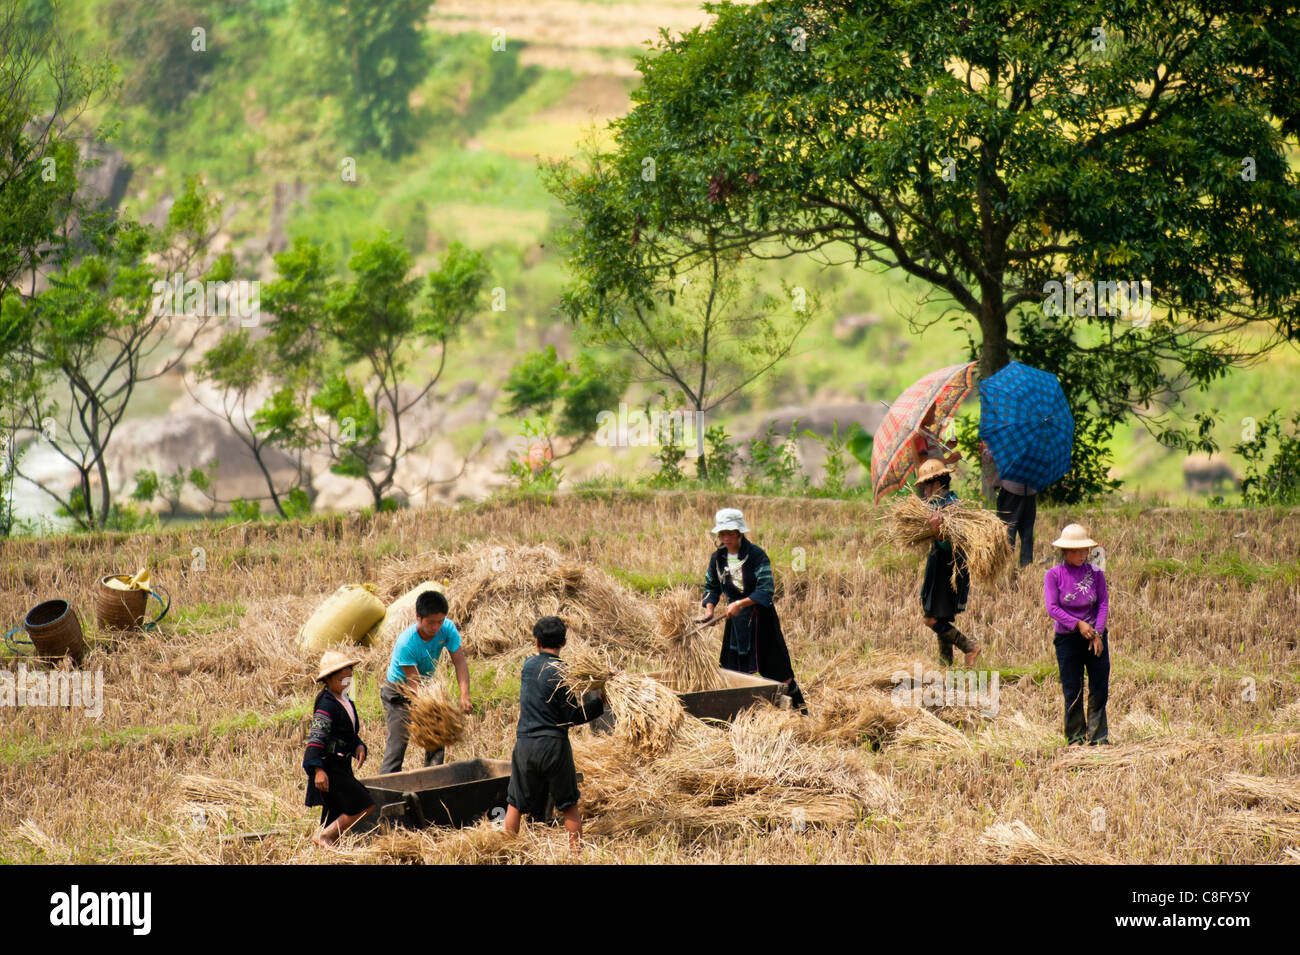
<point x="986" y="149"/>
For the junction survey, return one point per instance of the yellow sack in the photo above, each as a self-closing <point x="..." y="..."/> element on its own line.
<point x="401" y="612"/>
<point x="351" y="614"/>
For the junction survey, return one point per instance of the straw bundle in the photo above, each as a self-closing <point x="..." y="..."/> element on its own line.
<point x="647" y="715"/>
<point x="978" y="536"/>
<point x="688" y="649"/>
<point x="585" y="669"/>
<point x="1254" y="789"/>
<point x="1014" y="843"/>
<point x="208" y="790"/>
<point x="1276" y="826"/>
<point x="435" y="721"/>
<point x="41" y="840"/>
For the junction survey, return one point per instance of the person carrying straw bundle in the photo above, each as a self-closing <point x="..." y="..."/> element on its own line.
<point x="941" y="600"/>
<point x="541" y="766"/>
<point x="752" y="641"/>
<point x="415" y="656"/>
<point x="1078" y="603"/>
<point x="332" y="743"/>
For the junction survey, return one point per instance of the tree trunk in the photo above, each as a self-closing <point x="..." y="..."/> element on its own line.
<point x="994" y="353"/>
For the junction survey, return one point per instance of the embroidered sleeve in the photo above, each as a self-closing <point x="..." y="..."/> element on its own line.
<point x="318" y="737"/>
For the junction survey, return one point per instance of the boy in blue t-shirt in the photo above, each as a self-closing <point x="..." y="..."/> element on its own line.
<point x="415" y="655"/>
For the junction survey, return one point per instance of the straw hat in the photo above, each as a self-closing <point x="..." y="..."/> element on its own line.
<point x="1074" y="536"/>
<point x="931" y="468"/>
<point x="730" y="519"/>
<point x="332" y="661"/>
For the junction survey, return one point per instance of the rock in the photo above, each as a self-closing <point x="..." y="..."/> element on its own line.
<point x="107" y="180"/>
<point x="851" y="328"/>
<point x="1203" y="473"/>
<point x="157" y="216"/>
<point x="461" y="390"/>
<point x="192" y="438"/>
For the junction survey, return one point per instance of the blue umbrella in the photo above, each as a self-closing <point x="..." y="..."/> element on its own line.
<point x="1026" y="422"/>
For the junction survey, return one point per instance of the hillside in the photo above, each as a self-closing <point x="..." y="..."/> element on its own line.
<point x="258" y="131"/>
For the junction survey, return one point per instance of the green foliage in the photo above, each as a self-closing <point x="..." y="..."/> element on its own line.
<point x="909" y="138"/>
<point x="581" y="390"/>
<point x="531" y="471"/>
<point x="373" y="50"/>
<point x="243" y="510"/>
<point x="155" y="43"/>
<point x="670" y="465"/>
<point x="345" y="348"/>
<point x="773" y="462"/>
<point x="150" y="486"/>
<point x="1278" y="480"/>
<point x="837" y="465"/>
<point x="720" y="455"/>
<point x="94" y="333"/>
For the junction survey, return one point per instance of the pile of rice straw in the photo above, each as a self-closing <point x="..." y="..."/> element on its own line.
<point x="498" y="592"/>
<point x="435" y="721"/>
<point x="978" y="536"/>
<point x="757" y="773"/>
<point x="689" y="651"/>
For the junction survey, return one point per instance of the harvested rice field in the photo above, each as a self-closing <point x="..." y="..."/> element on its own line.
<point x="196" y="754"/>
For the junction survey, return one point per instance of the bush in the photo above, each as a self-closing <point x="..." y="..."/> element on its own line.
<point x="1278" y="482"/>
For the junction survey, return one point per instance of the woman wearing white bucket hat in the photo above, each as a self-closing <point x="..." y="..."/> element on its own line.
<point x="1078" y="603"/>
<point x="332" y="743"/>
<point x="752" y="640"/>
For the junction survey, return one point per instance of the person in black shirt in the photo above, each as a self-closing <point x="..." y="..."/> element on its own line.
<point x="332" y="743"/>
<point x="541" y="766"/>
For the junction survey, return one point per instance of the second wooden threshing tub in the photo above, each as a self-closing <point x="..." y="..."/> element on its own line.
<point x="456" y="794"/>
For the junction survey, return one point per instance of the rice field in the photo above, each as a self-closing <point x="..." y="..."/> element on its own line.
<point x="196" y="755"/>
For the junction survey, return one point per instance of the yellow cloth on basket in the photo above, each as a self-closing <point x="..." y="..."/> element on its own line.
<point x="139" y="582"/>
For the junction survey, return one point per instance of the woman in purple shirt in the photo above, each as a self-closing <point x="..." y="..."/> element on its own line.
<point x="1075" y="593"/>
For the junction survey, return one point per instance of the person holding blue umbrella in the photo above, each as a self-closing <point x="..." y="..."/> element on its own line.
<point x="1027" y="434"/>
<point x="1017" y="506"/>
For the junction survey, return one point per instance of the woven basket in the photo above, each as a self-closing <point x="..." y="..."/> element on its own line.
<point x="119" y="609"/>
<point x="55" y="631"/>
<point x="125" y="609"/>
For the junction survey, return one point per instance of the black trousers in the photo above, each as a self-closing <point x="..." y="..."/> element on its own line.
<point x="1018" y="512"/>
<point x="1074" y="659"/>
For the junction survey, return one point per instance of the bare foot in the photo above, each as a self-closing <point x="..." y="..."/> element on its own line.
<point x="970" y="657"/>
<point x="320" y="839"/>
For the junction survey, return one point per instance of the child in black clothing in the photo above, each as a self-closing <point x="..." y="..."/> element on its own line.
<point x="541" y="766"/>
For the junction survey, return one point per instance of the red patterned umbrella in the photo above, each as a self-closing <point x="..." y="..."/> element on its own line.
<point x="893" y="458"/>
